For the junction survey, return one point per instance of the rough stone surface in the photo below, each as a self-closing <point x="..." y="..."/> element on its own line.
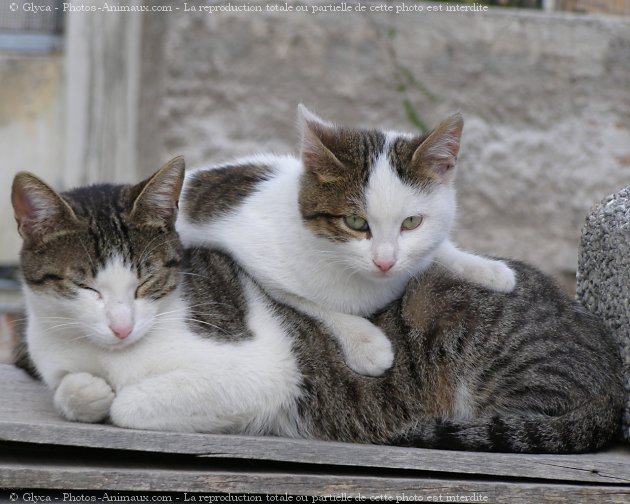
<point x="604" y="273"/>
<point x="545" y="98"/>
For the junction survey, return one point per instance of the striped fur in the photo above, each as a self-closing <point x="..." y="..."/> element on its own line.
<point x="526" y="371"/>
<point x="104" y="228"/>
<point x="286" y="222"/>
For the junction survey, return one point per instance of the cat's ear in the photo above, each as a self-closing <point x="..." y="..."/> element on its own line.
<point x="438" y="152"/>
<point x="157" y="201"/>
<point x="317" y="158"/>
<point x="40" y="212"/>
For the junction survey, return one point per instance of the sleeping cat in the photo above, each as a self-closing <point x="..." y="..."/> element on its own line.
<point x="125" y="324"/>
<point x="339" y="233"/>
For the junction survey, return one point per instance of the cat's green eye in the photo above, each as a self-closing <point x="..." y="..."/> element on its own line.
<point x="356" y="223"/>
<point x="411" y="222"/>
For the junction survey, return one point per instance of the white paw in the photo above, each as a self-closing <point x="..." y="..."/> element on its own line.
<point x="83" y="397"/>
<point x="495" y="275"/>
<point x="146" y="406"/>
<point x="366" y="349"/>
<point x="127" y="411"/>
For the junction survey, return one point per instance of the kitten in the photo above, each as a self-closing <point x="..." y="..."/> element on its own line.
<point x="339" y="233"/>
<point x="125" y="324"/>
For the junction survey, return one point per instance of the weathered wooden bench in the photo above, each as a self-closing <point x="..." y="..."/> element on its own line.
<point x="40" y="454"/>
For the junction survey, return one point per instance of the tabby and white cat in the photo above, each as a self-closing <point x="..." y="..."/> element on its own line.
<point x="339" y="233"/>
<point x="125" y="324"/>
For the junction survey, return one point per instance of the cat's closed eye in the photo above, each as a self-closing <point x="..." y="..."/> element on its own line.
<point x="411" y="222"/>
<point x="142" y="289"/>
<point x="91" y="290"/>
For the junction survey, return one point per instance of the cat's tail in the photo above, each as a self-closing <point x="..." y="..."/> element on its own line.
<point x="587" y="428"/>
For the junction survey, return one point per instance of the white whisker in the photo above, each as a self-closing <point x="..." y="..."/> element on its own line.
<point x="87" y="254"/>
<point x="190" y="319"/>
<point x="146" y="252"/>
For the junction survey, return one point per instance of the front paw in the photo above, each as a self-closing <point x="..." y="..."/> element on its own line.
<point x="497" y="276"/>
<point x="366" y="349"/>
<point x="83" y="397"/>
<point x="127" y="409"/>
<point x="145" y="406"/>
<point x="150" y="406"/>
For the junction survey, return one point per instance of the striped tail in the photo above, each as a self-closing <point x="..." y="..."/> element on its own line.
<point x="587" y="428"/>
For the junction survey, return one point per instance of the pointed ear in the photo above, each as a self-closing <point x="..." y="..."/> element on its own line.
<point x="157" y="203"/>
<point x="40" y="212"/>
<point x="438" y="152"/>
<point x="317" y="158"/>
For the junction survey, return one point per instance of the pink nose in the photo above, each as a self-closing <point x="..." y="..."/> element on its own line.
<point x="121" y="331"/>
<point x="384" y="265"/>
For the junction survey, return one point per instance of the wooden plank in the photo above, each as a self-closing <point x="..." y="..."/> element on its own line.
<point x="102" y="115"/>
<point x="27" y="416"/>
<point x="121" y="477"/>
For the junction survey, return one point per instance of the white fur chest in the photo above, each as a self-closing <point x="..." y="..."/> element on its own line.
<point x="267" y="236"/>
<point x="172" y="379"/>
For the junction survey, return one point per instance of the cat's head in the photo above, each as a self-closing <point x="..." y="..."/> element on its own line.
<point x="383" y="200"/>
<point x="99" y="262"/>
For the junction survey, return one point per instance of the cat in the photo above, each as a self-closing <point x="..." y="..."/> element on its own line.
<point x="339" y="233"/>
<point x="126" y="325"/>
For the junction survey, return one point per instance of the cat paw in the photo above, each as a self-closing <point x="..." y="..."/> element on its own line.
<point x="83" y="397"/>
<point x="126" y="410"/>
<point x="145" y="406"/>
<point x="498" y="277"/>
<point x="366" y="349"/>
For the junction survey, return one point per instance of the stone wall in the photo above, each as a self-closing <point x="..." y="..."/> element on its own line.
<point x="545" y="98"/>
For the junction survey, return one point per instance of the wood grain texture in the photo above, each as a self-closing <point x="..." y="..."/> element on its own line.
<point x="102" y="477"/>
<point x="104" y="89"/>
<point x="27" y="416"/>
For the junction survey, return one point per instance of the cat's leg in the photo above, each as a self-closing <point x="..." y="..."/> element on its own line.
<point x="83" y="397"/>
<point x="180" y="401"/>
<point x="365" y="347"/>
<point x="489" y="273"/>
